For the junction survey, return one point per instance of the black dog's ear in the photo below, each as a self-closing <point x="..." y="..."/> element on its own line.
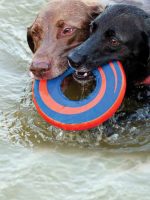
<point x="147" y="22"/>
<point x="30" y="39"/>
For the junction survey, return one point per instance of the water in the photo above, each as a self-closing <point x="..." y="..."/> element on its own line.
<point x="40" y="162"/>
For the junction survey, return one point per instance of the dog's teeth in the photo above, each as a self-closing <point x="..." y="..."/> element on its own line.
<point x="85" y="74"/>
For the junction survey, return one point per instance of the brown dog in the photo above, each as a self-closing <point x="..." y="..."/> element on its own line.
<point x="59" y="27"/>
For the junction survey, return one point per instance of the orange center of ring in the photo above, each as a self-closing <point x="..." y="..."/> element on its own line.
<point x="53" y="105"/>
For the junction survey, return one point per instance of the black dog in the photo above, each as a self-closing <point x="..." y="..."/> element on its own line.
<point x="121" y="32"/>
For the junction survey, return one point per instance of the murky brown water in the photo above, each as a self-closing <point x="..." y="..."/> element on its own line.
<point x="38" y="161"/>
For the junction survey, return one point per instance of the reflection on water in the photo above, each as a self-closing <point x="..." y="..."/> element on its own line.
<point x="109" y="162"/>
<point x="130" y="127"/>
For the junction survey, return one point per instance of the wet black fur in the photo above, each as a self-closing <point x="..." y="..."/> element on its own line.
<point x="131" y="27"/>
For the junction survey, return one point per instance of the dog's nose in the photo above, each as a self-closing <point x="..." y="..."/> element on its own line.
<point x="39" y="68"/>
<point x="76" y="60"/>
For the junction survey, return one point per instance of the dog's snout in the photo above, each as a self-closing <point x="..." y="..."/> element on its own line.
<point x="39" y="67"/>
<point x="76" y="60"/>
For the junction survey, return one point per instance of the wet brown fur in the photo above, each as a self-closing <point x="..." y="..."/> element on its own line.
<point x="44" y="37"/>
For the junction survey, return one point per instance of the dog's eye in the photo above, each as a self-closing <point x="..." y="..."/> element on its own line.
<point x="93" y="27"/>
<point x="114" y="42"/>
<point x="67" y="31"/>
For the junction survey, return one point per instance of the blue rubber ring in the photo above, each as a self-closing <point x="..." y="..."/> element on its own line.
<point x="100" y="105"/>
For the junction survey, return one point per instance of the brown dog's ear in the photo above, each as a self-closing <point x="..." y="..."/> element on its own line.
<point x="30" y="39"/>
<point x="95" y="8"/>
<point x="95" y="11"/>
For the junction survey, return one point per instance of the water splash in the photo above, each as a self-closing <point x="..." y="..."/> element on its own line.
<point x="26" y="127"/>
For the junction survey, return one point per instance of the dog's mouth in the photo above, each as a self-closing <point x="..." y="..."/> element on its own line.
<point x="146" y="81"/>
<point x="47" y="74"/>
<point x="40" y="76"/>
<point x="83" y="75"/>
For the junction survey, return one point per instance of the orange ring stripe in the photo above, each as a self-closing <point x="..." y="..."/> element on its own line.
<point x="115" y="75"/>
<point x="95" y="122"/>
<point x="53" y="105"/>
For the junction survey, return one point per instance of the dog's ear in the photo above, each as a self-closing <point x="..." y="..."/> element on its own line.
<point x="95" y="8"/>
<point x="147" y="22"/>
<point x="30" y="39"/>
<point x="95" y="11"/>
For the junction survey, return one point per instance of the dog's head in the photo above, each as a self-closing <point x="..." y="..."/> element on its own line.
<point x="121" y="32"/>
<point x="59" y="27"/>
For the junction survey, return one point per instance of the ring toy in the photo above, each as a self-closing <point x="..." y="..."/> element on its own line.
<point x="87" y="113"/>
